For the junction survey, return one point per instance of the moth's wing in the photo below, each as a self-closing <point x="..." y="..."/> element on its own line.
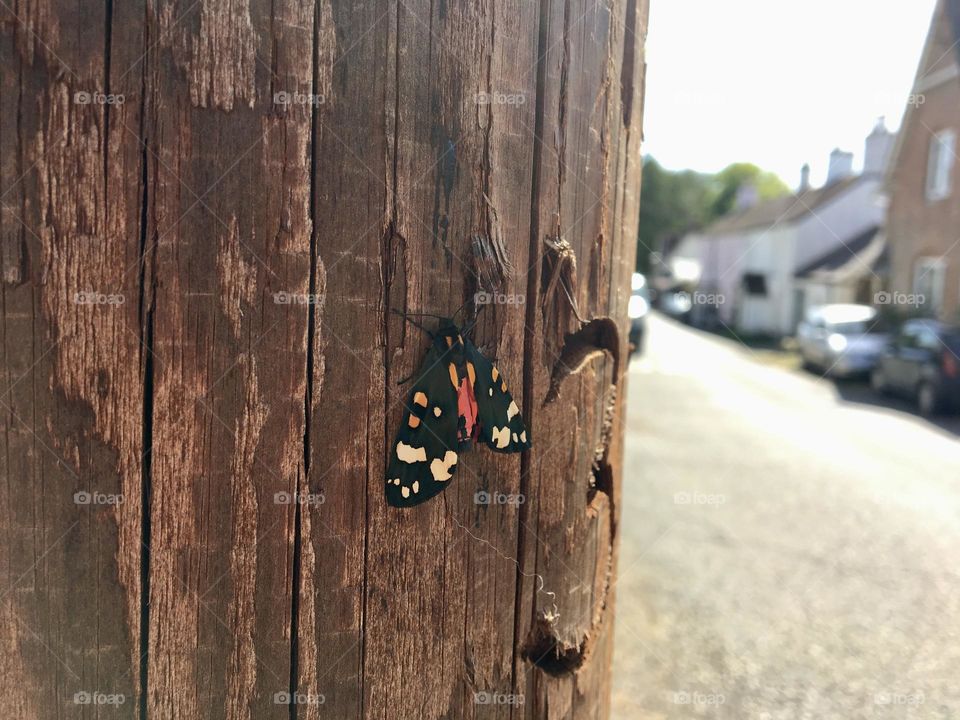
<point x="501" y="423"/>
<point x="423" y="458"/>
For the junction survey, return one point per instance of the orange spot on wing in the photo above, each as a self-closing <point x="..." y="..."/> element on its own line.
<point x="453" y="375"/>
<point x="471" y="373"/>
<point x="414" y="421"/>
<point x="420" y="398"/>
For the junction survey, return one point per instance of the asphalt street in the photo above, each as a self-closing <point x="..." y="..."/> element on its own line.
<point x="790" y="547"/>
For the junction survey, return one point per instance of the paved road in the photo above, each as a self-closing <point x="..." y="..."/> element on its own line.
<point x="788" y="550"/>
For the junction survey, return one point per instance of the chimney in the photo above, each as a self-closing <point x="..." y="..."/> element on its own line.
<point x="804" y="178"/>
<point x="877" y="149"/>
<point x="841" y="165"/>
<point x="747" y="197"/>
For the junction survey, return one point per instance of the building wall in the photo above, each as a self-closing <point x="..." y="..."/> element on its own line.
<point x="916" y="228"/>
<point x="769" y="253"/>
<point x="821" y="293"/>
<point x="718" y="258"/>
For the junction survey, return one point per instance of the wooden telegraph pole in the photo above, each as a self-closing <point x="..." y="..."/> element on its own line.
<point x="209" y="210"/>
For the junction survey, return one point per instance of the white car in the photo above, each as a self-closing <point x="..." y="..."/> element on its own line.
<point x="842" y="340"/>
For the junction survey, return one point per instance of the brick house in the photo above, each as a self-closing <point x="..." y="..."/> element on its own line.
<point x="923" y="180"/>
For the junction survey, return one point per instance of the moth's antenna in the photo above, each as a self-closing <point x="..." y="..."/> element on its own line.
<point x="409" y="314"/>
<point x="454" y="318"/>
<point x="476" y="314"/>
<point x="466" y="330"/>
<point x="406" y="316"/>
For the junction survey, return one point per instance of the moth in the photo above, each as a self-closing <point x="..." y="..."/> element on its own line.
<point x="459" y="396"/>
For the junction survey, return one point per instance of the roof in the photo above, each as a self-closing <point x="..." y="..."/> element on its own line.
<point x="786" y="209"/>
<point x="855" y="257"/>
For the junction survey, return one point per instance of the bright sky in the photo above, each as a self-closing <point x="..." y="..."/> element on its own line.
<point x="776" y="83"/>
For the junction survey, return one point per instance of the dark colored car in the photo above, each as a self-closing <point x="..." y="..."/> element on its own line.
<point x="923" y="363"/>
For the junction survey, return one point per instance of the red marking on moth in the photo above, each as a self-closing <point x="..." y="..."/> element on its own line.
<point x="467" y="407"/>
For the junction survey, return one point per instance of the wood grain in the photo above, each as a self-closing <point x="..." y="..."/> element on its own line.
<point x="269" y="181"/>
<point x="72" y="388"/>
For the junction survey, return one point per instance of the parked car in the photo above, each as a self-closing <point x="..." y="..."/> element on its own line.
<point x="842" y="340"/>
<point x="922" y="363"/>
<point x="637" y="309"/>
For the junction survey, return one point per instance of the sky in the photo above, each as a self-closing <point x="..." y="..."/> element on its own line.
<point x="776" y="83"/>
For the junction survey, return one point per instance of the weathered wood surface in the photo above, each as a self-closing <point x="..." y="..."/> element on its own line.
<point x="271" y="179"/>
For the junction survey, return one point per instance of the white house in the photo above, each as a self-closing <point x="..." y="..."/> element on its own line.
<point x="760" y="261"/>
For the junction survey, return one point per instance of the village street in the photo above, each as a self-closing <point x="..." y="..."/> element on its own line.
<point x="787" y="550"/>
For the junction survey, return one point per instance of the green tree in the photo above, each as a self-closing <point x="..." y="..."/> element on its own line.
<point x="674" y="203"/>
<point x="731" y="178"/>
<point x="671" y="204"/>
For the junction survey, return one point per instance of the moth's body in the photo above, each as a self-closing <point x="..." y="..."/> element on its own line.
<point x="459" y="397"/>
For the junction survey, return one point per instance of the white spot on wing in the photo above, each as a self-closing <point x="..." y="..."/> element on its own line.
<point x="410" y="454"/>
<point x="523" y="436"/>
<point x="512" y="410"/>
<point x="441" y="468"/>
<point x="501" y="436"/>
<point x="436" y="411"/>
<point x="405" y="491"/>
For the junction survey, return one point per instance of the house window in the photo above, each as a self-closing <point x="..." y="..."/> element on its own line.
<point x="928" y="282"/>
<point x="755" y="284"/>
<point x="940" y="164"/>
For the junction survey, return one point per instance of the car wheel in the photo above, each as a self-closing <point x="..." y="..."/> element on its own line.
<point x="927" y="400"/>
<point x="878" y="382"/>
